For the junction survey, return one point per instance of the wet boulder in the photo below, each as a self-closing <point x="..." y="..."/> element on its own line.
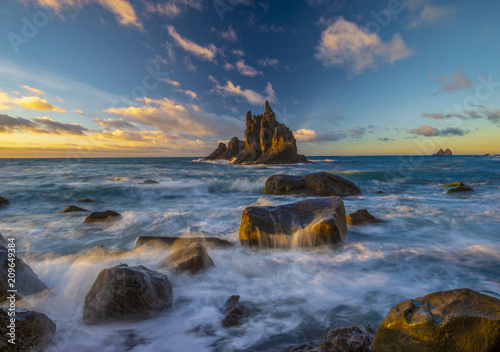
<point x="460" y="189"/>
<point x="189" y="257"/>
<point x="341" y="339"/>
<point x="72" y="209"/>
<point x="459" y="320"/>
<point x="124" y="293"/>
<point x="361" y="217"/>
<point x="454" y="184"/>
<point x="321" y="184"/>
<point x="85" y="200"/>
<point x="3" y="202"/>
<point x="103" y="216"/>
<point x="234" y="311"/>
<point x="311" y="222"/>
<point x="163" y="241"/>
<point x="33" y="331"/>
<point x="27" y="282"/>
<point x="150" y="182"/>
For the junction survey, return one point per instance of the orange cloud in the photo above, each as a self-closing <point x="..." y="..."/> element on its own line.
<point x="33" y="90"/>
<point x="29" y="103"/>
<point x="206" y="53"/>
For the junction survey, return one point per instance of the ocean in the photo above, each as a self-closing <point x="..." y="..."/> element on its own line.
<point x="428" y="241"/>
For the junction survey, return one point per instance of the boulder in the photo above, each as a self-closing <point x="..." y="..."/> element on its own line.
<point x="341" y="339"/>
<point x="266" y="142"/>
<point x="361" y="217"/>
<point x="454" y="184"/>
<point x="103" y="216"/>
<point x="27" y="282"/>
<point x="33" y="331"/>
<point x="3" y="202"/>
<point x="190" y="257"/>
<point x="317" y="184"/>
<point x="150" y="182"/>
<point x="72" y="209"/>
<point x="124" y="293"/>
<point x="234" y="311"/>
<point x="442" y="152"/>
<point x="459" y="320"/>
<point x="310" y="222"/>
<point x="85" y="200"/>
<point x="380" y="192"/>
<point x="209" y="242"/>
<point x="460" y="189"/>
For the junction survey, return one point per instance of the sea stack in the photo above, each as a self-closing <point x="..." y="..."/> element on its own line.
<point x="444" y="152"/>
<point x="267" y="142"/>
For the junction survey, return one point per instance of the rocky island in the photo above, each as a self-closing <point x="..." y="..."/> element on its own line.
<point x="267" y="142"/>
<point x="444" y="152"/>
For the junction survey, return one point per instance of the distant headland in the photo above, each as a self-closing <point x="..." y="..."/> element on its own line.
<point x="267" y="142"/>
<point x="444" y="152"/>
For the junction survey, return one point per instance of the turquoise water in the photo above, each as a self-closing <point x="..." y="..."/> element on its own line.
<point x="429" y="241"/>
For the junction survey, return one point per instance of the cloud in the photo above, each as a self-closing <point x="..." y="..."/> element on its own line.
<point x="493" y="116"/>
<point x="189" y="93"/>
<point x="9" y="124"/>
<point x="268" y="62"/>
<point x="273" y="28"/>
<point x="431" y="14"/>
<point x="206" y="53"/>
<point x="306" y="135"/>
<point x="114" y="124"/>
<point x="189" y="64"/>
<point x="173" y="8"/>
<point x="122" y="9"/>
<point x="171" y="82"/>
<point x="429" y="131"/>
<point x="345" y="44"/>
<point x="239" y="52"/>
<point x="33" y="90"/>
<point x="27" y="102"/>
<point x="246" y="70"/>
<point x="386" y="139"/>
<point x="170" y="116"/>
<point x="456" y="82"/>
<point x="251" y="96"/>
<point x="229" y="35"/>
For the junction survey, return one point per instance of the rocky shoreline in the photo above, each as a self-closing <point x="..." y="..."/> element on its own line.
<point x="461" y="320"/>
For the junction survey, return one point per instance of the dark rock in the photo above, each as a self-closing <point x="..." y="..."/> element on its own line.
<point x="380" y="192"/>
<point x="124" y="293"/>
<point x="209" y="242"/>
<point x="454" y="184"/>
<point x="190" y="257"/>
<point x="3" y="202"/>
<point x="217" y="152"/>
<point x="72" y="209"/>
<point x="318" y="184"/>
<point x="460" y="189"/>
<point x="459" y="320"/>
<point x="341" y="339"/>
<point x="27" y="282"/>
<point x="103" y="216"/>
<point x="150" y="182"/>
<point x="234" y="311"/>
<point x="267" y="142"/>
<point x="310" y="222"/>
<point x="86" y="200"/>
<point x="33" y="331"/>
<point x="441" y="152"/>
<point x="361" y="217"/>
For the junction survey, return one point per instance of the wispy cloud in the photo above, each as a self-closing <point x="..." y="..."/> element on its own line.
<point x="173" y="8"/>
<point x="27" y="102"/>
<point x="455" y="82"/>
<point x="307" y="135"/>
<point x="251" y="96"/>
<point x="229" y="34"/>
<point x="246" y="70"/>
<point x="33" y="90"/>
<point x="431" y="14"/>
<point x="171" y="82"/>
<point x="206" y="53"/>
<point x="429" y="131"/>
<point x="114" y="124"/>
<point x="9" y="124"/>
<point x="267" y="62"/>
<point x="347" y="45"/>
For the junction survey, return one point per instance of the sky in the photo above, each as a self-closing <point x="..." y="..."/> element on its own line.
<point x="151" y="78"/>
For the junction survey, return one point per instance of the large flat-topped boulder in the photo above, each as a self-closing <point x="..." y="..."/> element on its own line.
<point x="267" y="142"/>
<point x="310" y="222"/>
<point x="317" y="184"/>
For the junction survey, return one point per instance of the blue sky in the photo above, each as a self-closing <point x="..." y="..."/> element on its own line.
<point x="174" y="77"/>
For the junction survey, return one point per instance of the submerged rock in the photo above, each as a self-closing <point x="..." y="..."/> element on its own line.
<point x="190" y="257"/>
<point x="26" y="281"/>
<point x="341" y="339"/>
<point x="123" y="293"/>
<point x="179" y="241"/>
<point x="103" y="216"/>
<point x="150" y="182"/>
<point x="460" y="189"/>
<point x="380" y="192"/>
<point x="442" y="152"/>
<point x="234" y="311"/>
<point x="317" y="184"/>
<point x="267" y="142"/>
<point x="310" y="222"/>
<point x="33" y="331"/>
<point x="3" y="202"/>
<point x="85" y="200"/>
<point x="361" y="217"/>
<point x="460" y="320"/>
<point x="454" y="184"/>
<point x="72" y="209"/>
